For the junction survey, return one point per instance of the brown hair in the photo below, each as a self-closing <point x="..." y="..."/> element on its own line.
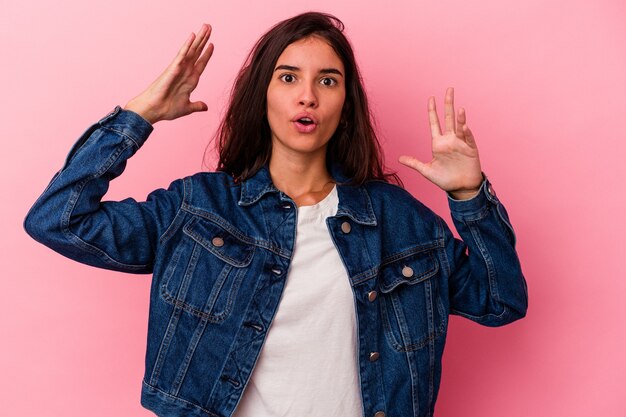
<point x="244" y="137"/>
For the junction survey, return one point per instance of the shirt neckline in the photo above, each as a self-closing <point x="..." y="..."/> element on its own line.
<point x="320" y="206"/>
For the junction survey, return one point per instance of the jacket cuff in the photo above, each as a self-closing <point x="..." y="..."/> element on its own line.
<point x="474" y="206"/>
<point x="128" y="123"/>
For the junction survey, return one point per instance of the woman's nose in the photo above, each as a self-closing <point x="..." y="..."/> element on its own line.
<point x="308" y="97"/>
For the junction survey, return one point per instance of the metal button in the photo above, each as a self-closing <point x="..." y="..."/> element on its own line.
<point x="277" y="271"/>
<point x="491" y="191"/>
<point x="217" y="241"/>
<point x="345" y="227"/>
<point x="407" y="271"/>
<point x="372" y="295"/>
<point x="286" y="206"/>
<point x="374" y="356"/>
<point x="380" y="414"/>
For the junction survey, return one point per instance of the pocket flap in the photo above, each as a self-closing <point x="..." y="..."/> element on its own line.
<point x="409" y="270"/>
<point x="220" y="241"/>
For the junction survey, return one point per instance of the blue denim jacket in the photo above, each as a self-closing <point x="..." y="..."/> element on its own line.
<point x="220" y="253"/>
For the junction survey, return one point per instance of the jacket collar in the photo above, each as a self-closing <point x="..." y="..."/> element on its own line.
<point x="354" y="201"/>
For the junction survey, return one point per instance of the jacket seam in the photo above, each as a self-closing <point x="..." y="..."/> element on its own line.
<point x="472" y="216"/>
<point x="444" y="255"/>
<point x="169" y="230"/>
<point x="71" y="204"/>
<point x="91" y="130"/>
<point x="491" y="272"/>
<point x="122" y="133"/>
<point x="178" y="399"/>
<point x="507" y="223"/>
<point x="480" y="318"/>
<point x="231" y="229"/>
<point x="412" y="251"/>
<point x="491" y="276"/>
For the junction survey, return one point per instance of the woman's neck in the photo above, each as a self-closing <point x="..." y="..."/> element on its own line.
<point x="305" y="180"/>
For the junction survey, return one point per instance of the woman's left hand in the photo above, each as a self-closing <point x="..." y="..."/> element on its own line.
<point x="455" y="166"/>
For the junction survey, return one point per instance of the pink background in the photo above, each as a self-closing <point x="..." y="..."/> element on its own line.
<point x="543" y="85"/>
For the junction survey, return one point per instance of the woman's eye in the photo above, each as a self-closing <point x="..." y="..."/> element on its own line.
<point x="288" y="78"/>
<point x="329" y="82"/>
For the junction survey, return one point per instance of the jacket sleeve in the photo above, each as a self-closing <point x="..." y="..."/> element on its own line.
<point x="486" y="283"/>
<point x="70" y="218"/>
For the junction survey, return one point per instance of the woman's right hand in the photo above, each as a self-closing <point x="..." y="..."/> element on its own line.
<point x="167" y="98"/>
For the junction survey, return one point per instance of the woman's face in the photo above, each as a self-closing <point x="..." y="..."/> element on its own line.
<point x="305" y="97"/>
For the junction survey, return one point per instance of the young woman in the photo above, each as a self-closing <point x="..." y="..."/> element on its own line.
<point x="296" y="279"/>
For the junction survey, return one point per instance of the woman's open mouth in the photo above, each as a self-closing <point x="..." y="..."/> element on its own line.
<point x="305" y="125"/>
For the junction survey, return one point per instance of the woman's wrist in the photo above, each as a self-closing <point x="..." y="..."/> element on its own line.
<point x="468" y="193"/>
<point x="464" y="195"/>
<point x="142" y="110"/>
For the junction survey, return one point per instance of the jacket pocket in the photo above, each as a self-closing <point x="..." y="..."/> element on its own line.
<point x="206" y="269"/>
<point x="411" y="307"/>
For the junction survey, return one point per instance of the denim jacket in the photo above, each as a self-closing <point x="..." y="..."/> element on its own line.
<point x="219" y="252"/>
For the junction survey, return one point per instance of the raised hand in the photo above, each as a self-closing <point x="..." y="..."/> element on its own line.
<point x="455" y="166"/>
<point x="168" y="97"/>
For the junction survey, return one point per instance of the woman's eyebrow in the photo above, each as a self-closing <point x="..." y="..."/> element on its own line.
<point x="322" y="71"/>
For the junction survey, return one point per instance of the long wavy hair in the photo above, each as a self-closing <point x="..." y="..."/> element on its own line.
<point x="243" y="137"/>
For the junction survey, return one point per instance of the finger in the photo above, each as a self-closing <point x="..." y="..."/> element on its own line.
<point x="184" y="49"/>
<point x="449" y="110"/>
<point x="198" y="51"/>
<point x="198" y="106"/>
<point x="469" y="136"/>
<point x="435" y="129"/>
<point x="204" y="59"/>
<point x="201" y="39"/>
<point x="201" y="47"/>
<point x="460" y="121"/>
<point x="414" y="163"/>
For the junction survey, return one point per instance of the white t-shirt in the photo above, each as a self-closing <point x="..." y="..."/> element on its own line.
<point x="308" y="364"/>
